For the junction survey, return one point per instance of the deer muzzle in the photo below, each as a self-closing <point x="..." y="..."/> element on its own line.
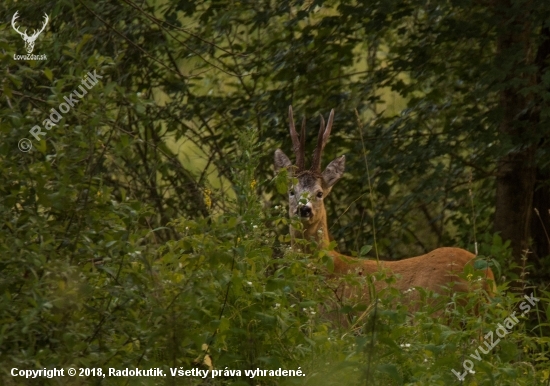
<point x="305" y="211"/>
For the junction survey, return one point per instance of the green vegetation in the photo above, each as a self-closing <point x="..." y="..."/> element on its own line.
<point x="146" y="229"/>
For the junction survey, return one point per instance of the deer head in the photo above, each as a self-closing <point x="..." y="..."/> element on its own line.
<point x="29" y="40"/>
<point x="313" y="186"/>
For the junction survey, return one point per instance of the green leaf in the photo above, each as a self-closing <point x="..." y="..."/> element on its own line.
<point x="328" y="262"/>
<point x="365" y="249"/>
<point x="281" y="181"/>
<point x="111" y="243"/>
<point x="391" y="370"/>
<point x="481" y="264"/>
<point x="48" y="73"/>
<point x="40" y="146"/>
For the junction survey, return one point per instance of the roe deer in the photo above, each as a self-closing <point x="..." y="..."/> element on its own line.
<point x="431" y="271"/>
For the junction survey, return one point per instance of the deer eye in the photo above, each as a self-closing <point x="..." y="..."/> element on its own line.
<point x="320" y="194"/>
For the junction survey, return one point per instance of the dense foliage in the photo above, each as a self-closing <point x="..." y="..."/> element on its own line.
<point x="146" y="228"/>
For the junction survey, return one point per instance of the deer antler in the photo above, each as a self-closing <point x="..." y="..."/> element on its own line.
<point x="298" y="144"/>
<point x="43" y="26"/>
<point x="36" y="33"/>
<point x="322" y="138"/>
<point x="15" y="16"/>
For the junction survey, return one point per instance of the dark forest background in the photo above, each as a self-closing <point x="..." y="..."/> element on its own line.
<point x="143" y="229"/>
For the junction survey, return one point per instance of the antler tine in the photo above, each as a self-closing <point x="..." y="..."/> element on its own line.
<point x="298" y="144"/>
<point x="36" y="33"/>
<point x="303" y="143"/>
<point x="13" y="19"/>
<point x="322" y="138"/>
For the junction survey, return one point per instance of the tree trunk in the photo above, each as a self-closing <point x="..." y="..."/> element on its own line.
<point x="516" y="170"/>
<point x="514" y="199"/>
<point x="520" y="184"/>
<point x="540" y="223"/>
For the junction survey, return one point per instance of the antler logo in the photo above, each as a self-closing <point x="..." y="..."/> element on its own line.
<point x="29" y="40"/>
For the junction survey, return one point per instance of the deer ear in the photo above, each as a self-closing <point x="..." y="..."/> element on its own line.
<point x="334" y="171"/>
<point x="281" y="160"/>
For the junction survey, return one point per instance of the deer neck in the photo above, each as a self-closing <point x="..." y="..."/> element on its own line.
<point x="317" y="232"/>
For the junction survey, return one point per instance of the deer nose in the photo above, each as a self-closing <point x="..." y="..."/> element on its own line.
<point x="305" y="211"/>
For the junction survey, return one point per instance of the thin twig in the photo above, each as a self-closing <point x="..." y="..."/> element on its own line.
<point x="360" y="124"/>
<point x="129" y="40"/>
<point x="543" y="227"/>
<point x="473" y="210"/>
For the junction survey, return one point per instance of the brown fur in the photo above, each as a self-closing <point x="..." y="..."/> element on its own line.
<point x="432" y="271"/>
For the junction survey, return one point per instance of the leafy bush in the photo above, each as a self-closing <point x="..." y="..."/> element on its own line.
<point x="143" y="230"/>
<point x="224" y="294"/>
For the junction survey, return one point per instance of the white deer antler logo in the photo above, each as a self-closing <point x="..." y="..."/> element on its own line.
<point x="29" y="40"/>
